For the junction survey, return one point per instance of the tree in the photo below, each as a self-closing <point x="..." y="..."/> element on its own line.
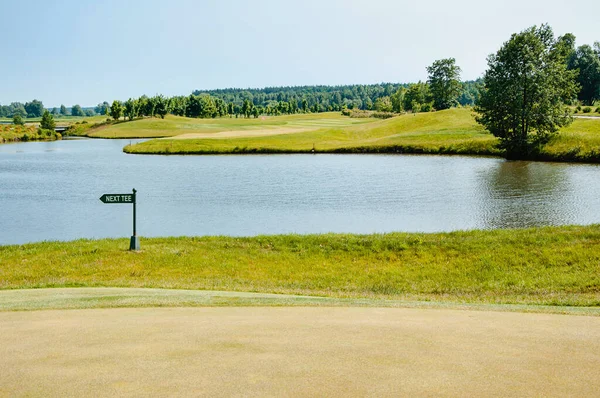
<point x="129" y="109"/>
<point x="587" y="62"/>
<point x="54" y="111"/>
<point x="162" y="106"/>
<point x="148" y="107"/>
<point x="63" y="110"/>
<point x="417" y="98"/>
<point x="397" y="99"/>
<point x="383" y="104"/>
<point x="102" y="109"/>
<point x="444" y="83"/>
<point x="525" y="86"/>
<point x="247" y="108"/>
<point x="116" y="109"/>
<point x="34" y="108"/>
<point x="17" y="107"/>
<point x="47" y="122"/>
<point x="77" y="111"/>
<point x="304" y="105"/>
<point x="18" y="120"/>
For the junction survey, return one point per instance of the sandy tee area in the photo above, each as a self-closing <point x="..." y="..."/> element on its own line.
<point x="301" y="351"/>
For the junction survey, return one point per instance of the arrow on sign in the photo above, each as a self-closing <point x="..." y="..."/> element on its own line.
<point x="127" y="198"/>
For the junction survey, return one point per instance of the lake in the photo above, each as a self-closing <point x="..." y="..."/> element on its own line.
<point x="51" y="190"/>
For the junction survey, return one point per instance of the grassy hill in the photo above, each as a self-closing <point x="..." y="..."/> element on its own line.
<point x="452" y="131"/>
<point x="176" y="125"/>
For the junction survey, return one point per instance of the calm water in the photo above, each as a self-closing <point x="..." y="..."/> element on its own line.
<point x="50" y="191"/>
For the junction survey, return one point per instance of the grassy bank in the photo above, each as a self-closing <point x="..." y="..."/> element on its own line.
<point x="452" y="131"/>
<point x="547" y="266"/>
<point x="12" y="133"/>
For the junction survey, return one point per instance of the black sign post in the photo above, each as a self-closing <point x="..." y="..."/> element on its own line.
<point x="127" y="198"/>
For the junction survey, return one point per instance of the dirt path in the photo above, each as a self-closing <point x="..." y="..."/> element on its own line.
<point x="297" y="352"/>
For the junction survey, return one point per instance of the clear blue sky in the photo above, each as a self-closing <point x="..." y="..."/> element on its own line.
<point x="84" y="52"/>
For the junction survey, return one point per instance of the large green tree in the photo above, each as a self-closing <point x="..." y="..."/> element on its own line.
<point x="586" y="60"/>
<point x="444" y="83"/>
<point x="525" y="86"/>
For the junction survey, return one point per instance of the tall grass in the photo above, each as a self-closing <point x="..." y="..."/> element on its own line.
<point x="551" y="266"/>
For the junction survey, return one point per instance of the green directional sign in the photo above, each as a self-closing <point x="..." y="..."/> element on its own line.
<point x="118" y="198"/>
<point x="126" y="198"/>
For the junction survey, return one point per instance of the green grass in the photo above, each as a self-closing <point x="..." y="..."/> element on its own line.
<point x="452" y="131"/>
<point x="557" y="266"/>
<point x="110" y="297"/>
<point x="176" y="125"/>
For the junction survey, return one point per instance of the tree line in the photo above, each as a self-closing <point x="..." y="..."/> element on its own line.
<point x="36" y="108"/>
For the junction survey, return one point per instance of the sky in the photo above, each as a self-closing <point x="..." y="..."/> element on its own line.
<point x="85" y="52"/>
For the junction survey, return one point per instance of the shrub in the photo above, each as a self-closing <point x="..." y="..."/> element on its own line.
<point x="416" y="107"/>
<point x="25" y="137"/>
<point x="598" y="110"/>
<point x="427" y="107"/>
<point x="587" y="109"/>
<point x="578" y="107"/>
<point x="383" y="115"/>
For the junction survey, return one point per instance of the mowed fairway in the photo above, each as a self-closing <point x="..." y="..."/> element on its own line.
<point x="239" y="351"/>
<point x="176" y="125"/>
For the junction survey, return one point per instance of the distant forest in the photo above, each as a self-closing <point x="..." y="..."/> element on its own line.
<point x="234" y="101"/>
<point x="330" y="98"/>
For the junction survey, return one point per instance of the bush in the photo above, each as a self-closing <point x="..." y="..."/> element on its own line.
<point x="578" y="107"/>
<point x="25" y="137"/>
<point x="415" y="106"/>
<point x="383" y="115"/>
<point x="427" y="107"/>
<point x="597" y="110"/>
<point x="587" y="109"/>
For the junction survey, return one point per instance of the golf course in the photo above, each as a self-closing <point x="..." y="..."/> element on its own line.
<point x="452" y="131"/>
<point x="316" y="199"/>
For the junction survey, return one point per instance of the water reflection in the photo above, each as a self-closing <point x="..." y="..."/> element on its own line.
<point x="519" y="193"/>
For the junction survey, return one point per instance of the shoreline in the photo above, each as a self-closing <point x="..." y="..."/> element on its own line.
<point x="568" y="157"/>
